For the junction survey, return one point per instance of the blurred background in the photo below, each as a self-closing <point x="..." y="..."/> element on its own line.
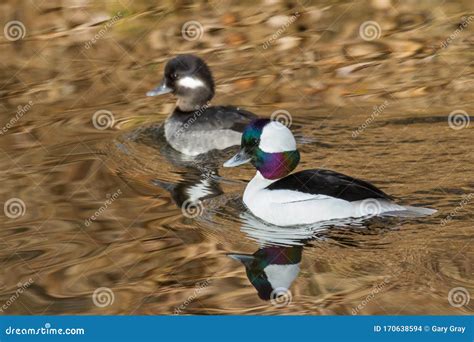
<point x="380" y="90"/>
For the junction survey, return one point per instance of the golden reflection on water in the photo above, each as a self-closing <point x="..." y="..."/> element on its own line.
<point x="375" y="109"/>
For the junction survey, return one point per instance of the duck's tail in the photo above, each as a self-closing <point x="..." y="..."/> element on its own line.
<point x="409" y="211"/>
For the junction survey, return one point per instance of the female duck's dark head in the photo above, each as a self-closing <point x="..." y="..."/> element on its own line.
<point x="270" y="147"/>
<point x="189" y="79"/>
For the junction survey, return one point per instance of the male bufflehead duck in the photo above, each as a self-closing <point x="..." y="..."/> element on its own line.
<point x="271" y="270"/>
<point x="195" y="127"/>
<point x="306" y="196"/>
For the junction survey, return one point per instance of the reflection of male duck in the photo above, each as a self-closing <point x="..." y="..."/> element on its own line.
<point x="275" y="265"/>
<point x="271" y="269"/>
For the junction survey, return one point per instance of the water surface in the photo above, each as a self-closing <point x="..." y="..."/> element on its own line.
<point x="101" y="208"/>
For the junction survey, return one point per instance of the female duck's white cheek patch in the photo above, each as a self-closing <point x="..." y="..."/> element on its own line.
<point x="190" y="82"/>
<point x="277" y="138"/>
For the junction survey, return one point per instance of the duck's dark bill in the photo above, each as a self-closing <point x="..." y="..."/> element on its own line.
<point x="240" y="158"/>
<point x="160" y="90"/>
<point x="243" y="258"/>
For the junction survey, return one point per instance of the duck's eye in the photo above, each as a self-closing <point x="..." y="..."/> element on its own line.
<point x="174" y="76"/>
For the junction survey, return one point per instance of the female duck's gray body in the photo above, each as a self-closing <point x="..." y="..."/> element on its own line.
<point x="213" y="128"/>
<point x="195" y="127"/>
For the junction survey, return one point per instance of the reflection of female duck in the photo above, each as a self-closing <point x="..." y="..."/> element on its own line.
<point x="197" y="185"/>
<point x="200" y="180"/>
<point x="199" y="174"/>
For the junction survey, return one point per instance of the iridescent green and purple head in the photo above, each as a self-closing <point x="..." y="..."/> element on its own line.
<point x="270" y="147"/>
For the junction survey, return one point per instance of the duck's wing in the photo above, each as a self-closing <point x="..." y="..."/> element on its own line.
<point x="225" y="117"/>
<point x="329" y="183"/>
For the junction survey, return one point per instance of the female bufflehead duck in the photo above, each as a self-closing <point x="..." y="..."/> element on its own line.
<point x="307" y="196"/>
<point x="195" y="127"/>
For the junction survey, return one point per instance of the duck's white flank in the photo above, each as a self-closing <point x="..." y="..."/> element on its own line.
<point x="289" y="207"/>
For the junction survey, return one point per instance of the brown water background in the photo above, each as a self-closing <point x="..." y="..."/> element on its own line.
<point x="374" y="109"/>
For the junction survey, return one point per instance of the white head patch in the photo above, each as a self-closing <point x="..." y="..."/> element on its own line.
<point x="276" y="137"/>
<point x="282" y="275"/>
<point x="190" y="82"/>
